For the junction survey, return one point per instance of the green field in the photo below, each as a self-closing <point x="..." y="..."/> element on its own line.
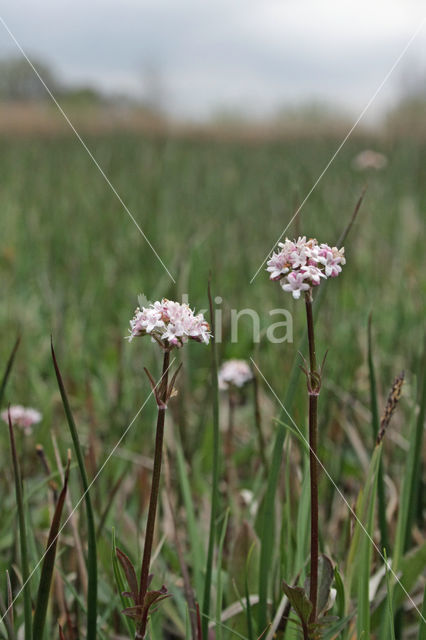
<point x="72" y="264"/>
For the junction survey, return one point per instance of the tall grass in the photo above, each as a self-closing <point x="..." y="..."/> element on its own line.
<point x="71" y="263"/>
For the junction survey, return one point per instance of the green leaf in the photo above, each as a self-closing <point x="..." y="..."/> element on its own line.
<point x="219" y="588"/>
<point x="325" y="580"/>
<point x="390" y="623"/>
<point x="267" y="528"/>
<point x="26" y="587"/>
<point x="375" y="422"/>
<point x="246" y="542"/>
<point x="300" y="603"/>
<point x="332" y="633"/>
<point x="125" y="602"/>
<point x="365" y="550"/>
<point x="411" y="567"/>
<point x="197" y="552"/>
<point x="422" y="625"/>
<point x="91" y="533"/>
<point x="415" y="474"/>
<point x="8" y="369"/>
<point x="49" y="563"/>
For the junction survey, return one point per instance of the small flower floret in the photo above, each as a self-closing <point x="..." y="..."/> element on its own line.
<point x="299" y="265"/>
<point x="169" y="323"/>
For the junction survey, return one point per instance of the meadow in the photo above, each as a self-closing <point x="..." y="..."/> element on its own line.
<point x="72" y="264"/>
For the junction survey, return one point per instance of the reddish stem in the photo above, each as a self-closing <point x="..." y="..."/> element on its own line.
<point x="313" y="391"/>
<point x="153" y="500"/>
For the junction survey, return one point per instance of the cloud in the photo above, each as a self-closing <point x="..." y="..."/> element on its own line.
<point x="255" y="53"/>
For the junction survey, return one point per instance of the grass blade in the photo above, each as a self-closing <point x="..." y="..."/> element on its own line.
<point x="91" y="533"/>
<point x="193" y="531"/>
<point x="416" y="479"/>
<point x="8" y="369"/>
<point x="422" y="626"/>
<point x="365" y="550"/>
<point x="215" y="479"/>
<point x="267" y="528"/>
<point x="48" y="564"/>
<point x="389" y="599"/>
<point x="22" y="536"/>
<point x="406" y="495"/>
<point x="219" y="588"/>
<point x="375" y="422"/>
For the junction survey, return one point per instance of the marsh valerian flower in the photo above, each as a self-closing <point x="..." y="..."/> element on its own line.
<point x="24" y="417"/>
<point x="169" y="323"/>
<point x="299" y="265"/>
<point x="234" y="373"/>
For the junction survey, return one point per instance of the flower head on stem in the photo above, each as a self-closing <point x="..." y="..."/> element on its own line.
<point x="171" y="325"/>
<point x="300" y="264"/>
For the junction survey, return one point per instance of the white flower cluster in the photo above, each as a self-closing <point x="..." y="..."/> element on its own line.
<point x="169" y="323"/>
<point x="234" y="373"/>
<point x="300" y="264"/>
<point x="22" y="417"/>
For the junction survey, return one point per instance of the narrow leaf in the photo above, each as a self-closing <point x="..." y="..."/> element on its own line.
<point x="267" y="528"/>
<point x="120" y="586"/>
<point x="366" y="545"/>
<point x="91" y="534"/>
<point x="22" y="535"/>
<point x="130" y="573"/>
<point x="375" y="425"/>
<point x="49" y="563"/>
<point x="8" y="369"/>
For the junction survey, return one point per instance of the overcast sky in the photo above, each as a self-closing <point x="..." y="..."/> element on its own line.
<point x="254" y="55"/>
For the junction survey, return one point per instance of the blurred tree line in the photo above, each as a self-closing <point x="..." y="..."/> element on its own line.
<point x="19" y="83"/>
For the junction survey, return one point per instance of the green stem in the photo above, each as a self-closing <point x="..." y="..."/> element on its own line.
<point x="153" y="500"/>
<point x="22" y="537"/>
<point x="313" y="391"/>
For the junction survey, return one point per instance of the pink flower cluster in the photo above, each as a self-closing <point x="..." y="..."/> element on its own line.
<point x="234" y="373"/>
<point x="22" y="417"/>
<point x="300" y="264"/>
<point x="169" y="323"/>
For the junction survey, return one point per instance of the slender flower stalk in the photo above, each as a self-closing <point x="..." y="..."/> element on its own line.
<point x="232" y="377"/>
<point x="314" y="383"/>
<point x="159" y="436"/>
<point x="170" y="325"/>
<point x="299" y="266"/>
